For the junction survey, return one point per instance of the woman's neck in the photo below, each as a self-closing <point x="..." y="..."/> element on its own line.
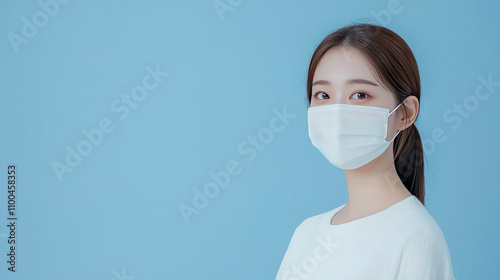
<point x="372" y="188"/>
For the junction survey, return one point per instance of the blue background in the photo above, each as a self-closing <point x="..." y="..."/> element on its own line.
<point x="117" y="212"/>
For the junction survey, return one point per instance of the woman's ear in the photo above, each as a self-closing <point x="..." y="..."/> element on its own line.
<point x="411" y="105"/>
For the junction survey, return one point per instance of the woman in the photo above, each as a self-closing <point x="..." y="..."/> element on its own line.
<point x="363" y="90"/>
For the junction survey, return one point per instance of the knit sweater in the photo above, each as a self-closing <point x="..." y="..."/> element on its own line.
<point x="401" y="242"/>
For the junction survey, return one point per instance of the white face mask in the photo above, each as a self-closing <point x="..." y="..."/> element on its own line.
<point x="349" y="136"/>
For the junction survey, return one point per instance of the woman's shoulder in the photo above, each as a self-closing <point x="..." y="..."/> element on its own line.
<point x="422" y="218"/>
<point x="420" y="225"/>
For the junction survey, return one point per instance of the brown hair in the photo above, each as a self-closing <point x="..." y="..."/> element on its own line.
<point x="396" y="69"/>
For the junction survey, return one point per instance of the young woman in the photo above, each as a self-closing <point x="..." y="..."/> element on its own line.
<point x="363" y="90"/>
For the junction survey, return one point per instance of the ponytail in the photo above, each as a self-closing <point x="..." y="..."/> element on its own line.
<point x="409" y="161"/>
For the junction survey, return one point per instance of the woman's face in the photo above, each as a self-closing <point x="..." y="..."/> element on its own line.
<point x="343" y="77"/>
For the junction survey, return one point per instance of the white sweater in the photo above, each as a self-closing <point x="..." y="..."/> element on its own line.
<point x="401" y="242"/>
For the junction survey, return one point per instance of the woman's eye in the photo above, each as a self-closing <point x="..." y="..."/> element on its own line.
<point x="322" y="95"/>
<point x="360" y="95"/>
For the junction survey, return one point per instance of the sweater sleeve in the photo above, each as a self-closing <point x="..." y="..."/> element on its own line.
<point x="288" y="252"/>
<point x="425" y="256"/>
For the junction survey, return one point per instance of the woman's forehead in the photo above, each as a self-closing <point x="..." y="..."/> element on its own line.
<point x="341" y="64"/>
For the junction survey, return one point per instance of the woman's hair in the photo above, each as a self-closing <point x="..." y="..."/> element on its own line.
<point x="395" y="68"/>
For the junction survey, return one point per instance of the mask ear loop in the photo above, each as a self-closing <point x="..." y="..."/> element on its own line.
<point x="388" y="120"/>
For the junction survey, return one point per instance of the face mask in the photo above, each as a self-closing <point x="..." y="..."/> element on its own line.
<point x="349" y="136"/>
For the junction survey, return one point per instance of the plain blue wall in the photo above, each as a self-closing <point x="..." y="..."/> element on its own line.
<point x="65" y="67"/>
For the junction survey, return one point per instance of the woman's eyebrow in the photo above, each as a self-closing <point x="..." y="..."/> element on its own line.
<point x="350" y="82"/>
